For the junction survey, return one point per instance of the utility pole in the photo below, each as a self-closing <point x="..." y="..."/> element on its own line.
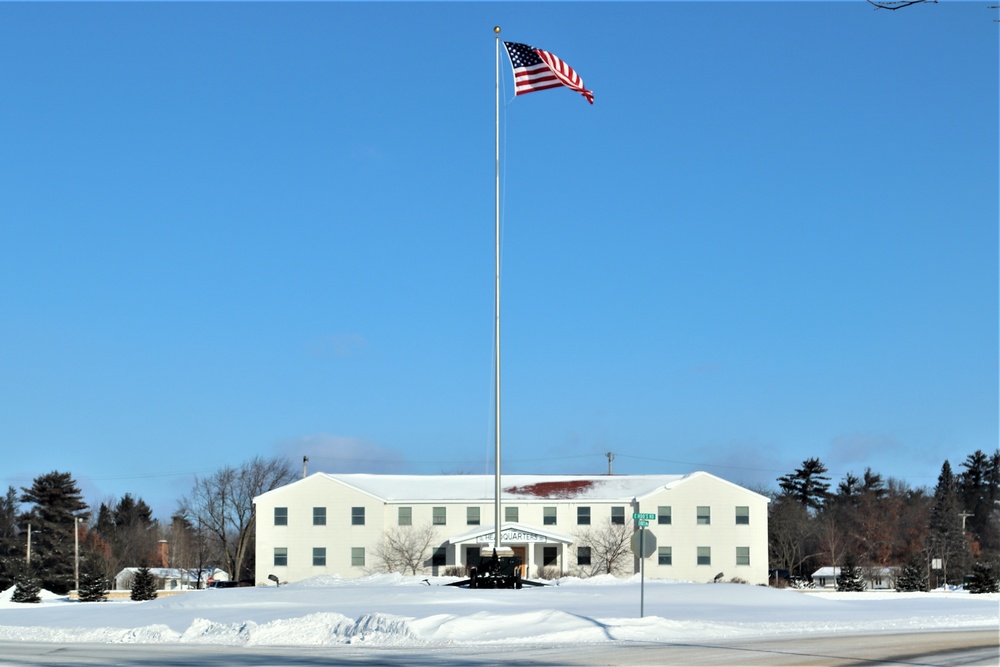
<point x="611" y="457"/>
<point x="27" y="557"/>
<point x="305" y="459"/>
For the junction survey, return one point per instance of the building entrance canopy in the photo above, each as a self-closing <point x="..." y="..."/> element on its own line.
<point x="511" y="533"/>
<point x="509" y="536"/>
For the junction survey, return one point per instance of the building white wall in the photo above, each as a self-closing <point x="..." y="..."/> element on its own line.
<point x="722" y="535"/>
<point x="339" y="535"/>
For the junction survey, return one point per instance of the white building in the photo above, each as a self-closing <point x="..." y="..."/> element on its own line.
<point x="171" y="578"/>
<point x="876" y="578"/>
<point x="335" y="523"/>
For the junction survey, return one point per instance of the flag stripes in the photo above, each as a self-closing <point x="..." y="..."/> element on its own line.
<point x="535" y="69"/>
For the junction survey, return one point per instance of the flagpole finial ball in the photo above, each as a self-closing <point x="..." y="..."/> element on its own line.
<point x="496" y="29"/>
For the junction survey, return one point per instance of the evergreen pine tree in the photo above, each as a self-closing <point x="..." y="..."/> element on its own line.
<point x="978" y="491"/>
<point x="985" y="578"/>
<point x="850" y="578"/>
<point x="807" y="484"/>
<point x="57" y="503"/>
<point x="11" y="539"/>
<point x="26" y="587"/>
<point x="946" y="539"/>
<point x="913" y="576"/>
<point x="143" y="585"/>
<point x="93" y="585"/>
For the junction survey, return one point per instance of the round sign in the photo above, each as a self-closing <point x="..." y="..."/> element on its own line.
<point x="648" y="546"/>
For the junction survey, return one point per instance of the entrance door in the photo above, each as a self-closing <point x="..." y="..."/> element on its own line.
<point x="522" y="554"/>
<point x="471" y="557"/>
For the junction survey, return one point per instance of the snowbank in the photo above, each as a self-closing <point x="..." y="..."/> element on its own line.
<point x="400" y="610"/>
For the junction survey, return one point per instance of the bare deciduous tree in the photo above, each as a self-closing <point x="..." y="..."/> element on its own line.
<point x="834" y="541"/>
<point x="405" y="548"/>
<point x="791" y="535"/>
<point x="222" y="504"/>
<point x="187" y="548"/>
<point x="610" y="549"/>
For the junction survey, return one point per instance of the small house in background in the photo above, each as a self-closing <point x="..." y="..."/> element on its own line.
<point x="876" y="578"/>
<point x="173" y="578"/>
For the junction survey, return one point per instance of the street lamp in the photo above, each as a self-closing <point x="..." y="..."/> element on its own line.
<point x="76" y="553"/>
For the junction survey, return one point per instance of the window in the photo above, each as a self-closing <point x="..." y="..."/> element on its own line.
<point x="742" y="515"/>
<point x="510" y="514"/>
<point x="742" y="555"/>
<point x="618" y="516"/>
<point x="472" y="516"/>
<point x="704" y="555"/>
<point x="549" y="556"/>
<point x="319" y="516"/>
<point x="405" y="516"/>
<point x="583" y="516"/>
<point x="549" y="516"/>
<point x="583" y="555"/>
<point x="280" y="556"/>
<point x="440" y="557"/>
<point x="663" y="515"/>
<point x="319" y="556"/>
<point x="357" y="516"/>
<point x="280" y="516"/>
<point x="704" y="515"/>
<point x="440" y="515"/>
<point x="665" y="556"/>
<point x="357" y="556"/>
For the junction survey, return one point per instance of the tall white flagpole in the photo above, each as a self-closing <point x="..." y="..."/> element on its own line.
<point x="496" y="312"/>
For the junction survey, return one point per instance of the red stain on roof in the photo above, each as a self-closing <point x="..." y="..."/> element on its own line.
<point x="567" y="489"/>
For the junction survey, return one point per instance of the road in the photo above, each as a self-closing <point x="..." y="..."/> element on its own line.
<point x="911" y="649"/>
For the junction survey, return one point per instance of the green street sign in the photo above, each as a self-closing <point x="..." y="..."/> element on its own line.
<point x="642" y="523"/>
<point x="643" y="517"/>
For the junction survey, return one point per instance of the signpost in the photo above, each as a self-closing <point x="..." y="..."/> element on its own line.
<point x="643" y="546"/>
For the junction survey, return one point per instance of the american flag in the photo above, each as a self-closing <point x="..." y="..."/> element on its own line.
<point x="535" y="69"/>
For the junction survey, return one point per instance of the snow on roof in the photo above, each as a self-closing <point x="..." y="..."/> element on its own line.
<point x="178" y="573"/>
<point x="828" y="571"/>
<point x="417" y="488"/>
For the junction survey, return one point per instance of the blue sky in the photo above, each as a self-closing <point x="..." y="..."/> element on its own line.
<point x="233" y="229"/>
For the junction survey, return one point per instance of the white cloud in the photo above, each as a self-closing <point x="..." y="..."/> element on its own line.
<point x="860" y="448"/>
<point x="342" y="345"/>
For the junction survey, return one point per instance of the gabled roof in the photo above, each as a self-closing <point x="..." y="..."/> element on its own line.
<point x="695" y="475"/>
<point x="516" y="488"/>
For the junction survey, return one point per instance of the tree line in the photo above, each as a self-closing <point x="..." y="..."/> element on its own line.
<point x="213" y="526"/>
<point x="866" y="520"/>
<point x="876" y="522"/>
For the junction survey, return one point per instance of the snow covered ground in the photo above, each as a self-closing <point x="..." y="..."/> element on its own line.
<point x="393" y="610"/>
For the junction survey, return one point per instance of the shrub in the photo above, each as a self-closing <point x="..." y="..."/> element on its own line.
<point x="144" y="585"/>
<point x="913" y="577"/>
<point x="850" y="578"/>
<point x="27" y="588"/>
<point x="92" y="586"/>
<point x="985" y="578"/>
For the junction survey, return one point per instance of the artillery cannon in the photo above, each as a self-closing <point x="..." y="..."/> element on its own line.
<point x="496" y="572"/>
